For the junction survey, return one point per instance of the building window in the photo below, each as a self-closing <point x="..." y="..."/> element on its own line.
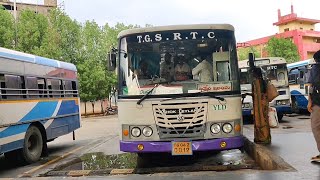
<point x="8" y="7"/>
<point x="317" y="40"/>
<point x="301" y="28"/>
<point x="311" y="29"/>
<point x="286" y="29"/>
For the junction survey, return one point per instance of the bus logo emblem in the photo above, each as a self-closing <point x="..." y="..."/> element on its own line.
<point x="180" y="118"/>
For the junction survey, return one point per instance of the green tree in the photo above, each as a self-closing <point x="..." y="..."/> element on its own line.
<point x="92" y="63"/>
<point x="281" y="47"/>
<point x="68" y="31"/>
<point x="7" y="29"/>
<point x="31" y="31"/>
<point x="244" y="52"/>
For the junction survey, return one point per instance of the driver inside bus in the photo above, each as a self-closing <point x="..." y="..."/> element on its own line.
<point x="143" y="72"/>
<point x="182" y="69"/>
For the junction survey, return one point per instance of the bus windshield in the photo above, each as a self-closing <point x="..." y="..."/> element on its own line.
<point x="178" y="62"/>
<point x="277" y="74"/>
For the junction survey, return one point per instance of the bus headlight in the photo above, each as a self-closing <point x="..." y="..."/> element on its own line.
<point x="135" y="132"/>
<point x="227" y="128"/>
<point x="215" y="128"/>
<point x="147" y="131"/>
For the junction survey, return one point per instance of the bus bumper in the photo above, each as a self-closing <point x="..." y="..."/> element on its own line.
<point x="284" y="109"/>
<point x="198" y="145"/>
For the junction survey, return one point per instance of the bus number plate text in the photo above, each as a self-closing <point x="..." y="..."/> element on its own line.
<point x="181" y="148"/>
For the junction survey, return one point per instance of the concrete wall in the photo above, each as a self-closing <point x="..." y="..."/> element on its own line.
<point x="97" y="107"/>
<point x="296" y="26"/>
<point x="42" y="9"/>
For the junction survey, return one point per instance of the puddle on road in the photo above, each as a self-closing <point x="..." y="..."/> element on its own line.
<point x="100" y="161"/>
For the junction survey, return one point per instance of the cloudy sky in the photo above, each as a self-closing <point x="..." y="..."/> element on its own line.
<point x="251" y="18"/>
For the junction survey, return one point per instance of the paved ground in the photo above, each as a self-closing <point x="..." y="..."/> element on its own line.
<point x="293" y="141"/>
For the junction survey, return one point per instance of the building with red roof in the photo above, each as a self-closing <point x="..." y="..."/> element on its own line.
<point x="300" y="30"/>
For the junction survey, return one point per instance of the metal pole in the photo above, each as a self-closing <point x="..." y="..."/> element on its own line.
<point x="15" y="10"/>
<point x="15" y="23"/>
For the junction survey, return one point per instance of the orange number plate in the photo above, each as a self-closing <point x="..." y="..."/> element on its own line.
<point x="181" y="148"/>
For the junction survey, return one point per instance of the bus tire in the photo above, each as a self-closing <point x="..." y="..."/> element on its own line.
<point x="33" y="145"/>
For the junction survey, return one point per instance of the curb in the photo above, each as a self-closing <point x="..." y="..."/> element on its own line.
<point x="265" y="158"/>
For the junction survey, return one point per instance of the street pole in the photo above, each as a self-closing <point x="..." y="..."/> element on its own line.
<point x="15" y="22"/>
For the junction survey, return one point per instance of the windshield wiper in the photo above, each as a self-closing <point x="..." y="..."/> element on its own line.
<point x="147" y="94"/>
<point x="212" y="96"/>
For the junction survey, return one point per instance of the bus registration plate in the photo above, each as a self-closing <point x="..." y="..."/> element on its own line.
<point x="181" y="148"/>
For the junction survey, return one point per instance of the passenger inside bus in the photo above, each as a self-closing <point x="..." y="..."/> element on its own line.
<point x="203" y="69"/>
<point x="167" y="68"/>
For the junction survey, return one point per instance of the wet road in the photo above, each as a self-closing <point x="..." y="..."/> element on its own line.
<point x="99" y="134"/>
<point x="91" y="137"/>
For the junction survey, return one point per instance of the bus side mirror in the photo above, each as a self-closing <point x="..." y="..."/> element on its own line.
<point x="112" y="61"/>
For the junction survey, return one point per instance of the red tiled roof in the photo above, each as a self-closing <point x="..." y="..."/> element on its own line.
<point x="312" y="21"/>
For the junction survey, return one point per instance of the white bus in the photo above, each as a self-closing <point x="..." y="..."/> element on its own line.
<point x="298" y="77"/>
<point x="179" y="89"/>
<point x="274" y="69"/>
<point x="38" y="102"/>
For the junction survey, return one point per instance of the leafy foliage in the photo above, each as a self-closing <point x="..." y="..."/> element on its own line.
<point x="280" y="47"/>
<point x="7" y="29"/>
<point x="59" y="37"/>
<point x="31" y="31"/>
<point x="244" y="52"/>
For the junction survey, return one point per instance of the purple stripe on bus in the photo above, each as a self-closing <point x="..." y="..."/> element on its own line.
<point x="198" y="145"/>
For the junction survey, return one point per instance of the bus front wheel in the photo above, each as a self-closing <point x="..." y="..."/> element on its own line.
<point x="33" y="144"/>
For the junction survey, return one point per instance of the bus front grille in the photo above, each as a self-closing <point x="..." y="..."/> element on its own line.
<point x="180" y="120"/>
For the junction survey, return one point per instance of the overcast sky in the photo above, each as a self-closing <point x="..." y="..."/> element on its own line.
<point x="251" y="18"/>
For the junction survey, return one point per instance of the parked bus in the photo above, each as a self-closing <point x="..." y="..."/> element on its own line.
<point x="178" y="89"/>
<point x="298" y="77"/>
<point x="38" y="102"/>
<point x="274" y="69"/>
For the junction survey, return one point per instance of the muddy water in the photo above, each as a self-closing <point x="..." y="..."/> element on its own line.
<point x="99" y="161"/>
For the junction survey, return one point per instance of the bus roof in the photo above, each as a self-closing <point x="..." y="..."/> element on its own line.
<point x="301" y="63"/>
<point x="20" y="56"/>
<point x="175" y="27"/>
<point x="268" y="61"/>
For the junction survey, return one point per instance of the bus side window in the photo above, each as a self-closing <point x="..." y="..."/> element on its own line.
<point x="32" y="87"/>
<point x="2" y="86"/>
<point x="41" y="87"/>
<point x="68" y="88"/>
<point x="61" y="84"/>
<point x="54" y="87"/>
<point x="292" y="79"/>
<point x="13" y="83"/>
<point x="74" y="88"/>
<point x="301" y="79"/>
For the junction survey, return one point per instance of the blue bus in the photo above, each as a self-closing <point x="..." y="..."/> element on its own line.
<point x="39" y="102"/>
<point x="298" y="77"/>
